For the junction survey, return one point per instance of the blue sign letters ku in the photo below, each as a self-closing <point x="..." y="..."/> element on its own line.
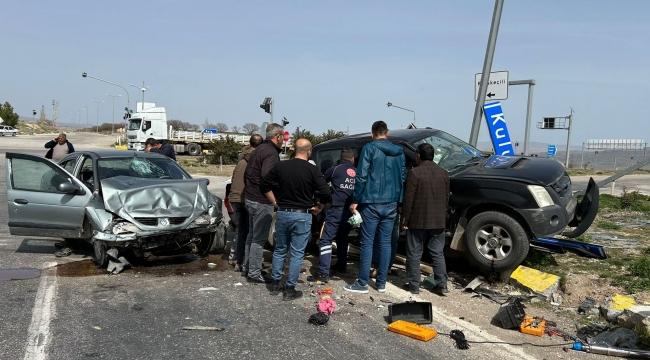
<point x="498" y="129"/>
<point x="551" y="150"/>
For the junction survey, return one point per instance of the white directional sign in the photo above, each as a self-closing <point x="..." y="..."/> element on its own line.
<point x="497" y="86"/>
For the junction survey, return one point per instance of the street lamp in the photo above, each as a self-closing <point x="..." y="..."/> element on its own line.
<point x="97" y="120"/>
<point x="143" y="89"/>
<point x="390" y="104"/>
<point x="128" y="98"/>
<point x="113" y="123"/>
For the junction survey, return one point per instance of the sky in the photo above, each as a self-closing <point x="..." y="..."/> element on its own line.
<point x="333" y="64"/>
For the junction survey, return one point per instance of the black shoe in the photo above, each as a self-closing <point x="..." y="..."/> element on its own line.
<point x="258" y="280"/>
<point x="440" y="290"/>
<point x="291" y="293"/>
<point x="411" y="288"/>
<point x="275" y="288"/>
<point x="318" y="278"/>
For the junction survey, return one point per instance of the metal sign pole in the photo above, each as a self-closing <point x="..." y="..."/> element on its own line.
<point x="487" y="68"/>
<point x="529" y="109"/>
<point x="568" y="139"/>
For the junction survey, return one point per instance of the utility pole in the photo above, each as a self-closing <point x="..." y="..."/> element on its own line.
<point x="487" y="68"/>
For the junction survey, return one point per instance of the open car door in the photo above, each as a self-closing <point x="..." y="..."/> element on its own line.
<point x="585" y="211"/>
<point x="44" y="199"/>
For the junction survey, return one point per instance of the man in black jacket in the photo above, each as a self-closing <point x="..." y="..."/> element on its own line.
<point x="424" y="215"/>
<point x="260" y="209"/>
<point x="58" y="148"/>
<point x="154" y="145"/>
<point x="291" y="187"/>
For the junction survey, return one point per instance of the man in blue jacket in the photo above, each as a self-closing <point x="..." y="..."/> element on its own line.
<point x="379" y="182"/>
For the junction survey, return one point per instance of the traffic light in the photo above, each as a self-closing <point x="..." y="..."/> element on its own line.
<point x="267" y="104"/>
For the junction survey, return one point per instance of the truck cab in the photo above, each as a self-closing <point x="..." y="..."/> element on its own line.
<point x="149" y="121"/>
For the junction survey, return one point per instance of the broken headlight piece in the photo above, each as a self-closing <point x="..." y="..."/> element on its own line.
<point x="124" y="227"/>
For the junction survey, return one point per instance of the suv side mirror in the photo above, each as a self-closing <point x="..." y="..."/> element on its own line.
<point x="69" y="188"/>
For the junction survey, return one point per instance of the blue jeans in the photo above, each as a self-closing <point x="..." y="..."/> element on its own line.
<point x="292" y="232"/>
<point x="378" y="220"/>
<point x="336" y="228"/>
<point x="394" y="239"/>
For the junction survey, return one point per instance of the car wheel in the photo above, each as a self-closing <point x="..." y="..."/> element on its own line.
<point x="206" y="243"/>
<point x="13" y="134"/>
<point x="193" y="149"/>
<point x="495" y="242"/>
<point x="99" y="253"/>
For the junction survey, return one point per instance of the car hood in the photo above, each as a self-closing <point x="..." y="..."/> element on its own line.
<point x="539" y="171"/>
<point x="131" y="197"/>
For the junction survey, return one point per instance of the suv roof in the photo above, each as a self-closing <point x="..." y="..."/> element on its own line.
<point x="398" y="136"/>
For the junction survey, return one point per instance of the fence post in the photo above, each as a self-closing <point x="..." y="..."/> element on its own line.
<point x="220" y="163"/>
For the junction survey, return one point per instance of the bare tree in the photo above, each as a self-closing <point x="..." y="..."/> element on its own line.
<point x="250" y="128"/>
<point x="221" y="127"/>
<point x="235" y="129"/>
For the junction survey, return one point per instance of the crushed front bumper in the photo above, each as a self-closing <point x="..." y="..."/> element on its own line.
<point x="147" y="240"/>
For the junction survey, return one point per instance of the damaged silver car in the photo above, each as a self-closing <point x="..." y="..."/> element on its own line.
<point x="142" y="202"/>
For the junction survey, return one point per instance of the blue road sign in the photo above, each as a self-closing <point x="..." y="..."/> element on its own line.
<point x="498" y="129"/>
<point x="551" y="150"/>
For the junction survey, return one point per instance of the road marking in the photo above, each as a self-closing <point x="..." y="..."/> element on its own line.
<point x="450" y="322"/>
<point x="44" y="307"/>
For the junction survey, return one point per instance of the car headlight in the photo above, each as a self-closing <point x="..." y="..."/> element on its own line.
<point x="541" y="195"/>
<point x="204" y="219"/>
<point x="124" y="227"/>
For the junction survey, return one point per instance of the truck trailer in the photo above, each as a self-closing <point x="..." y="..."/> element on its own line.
<point x="150" y="121"/>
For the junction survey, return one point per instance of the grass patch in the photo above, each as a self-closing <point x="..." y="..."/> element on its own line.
<point x="609" y="202"/>
<point x="608" y="225"/>
<point x="634" y="200"/>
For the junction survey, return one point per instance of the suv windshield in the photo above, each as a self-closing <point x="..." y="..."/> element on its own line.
<point x="149" y="168"/>
<point x="449" y="150"/>
<point x="134" y="124"/>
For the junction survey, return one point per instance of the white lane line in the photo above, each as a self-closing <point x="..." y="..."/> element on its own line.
<point x="475" y="332"/>
<point x="44" y="307"/>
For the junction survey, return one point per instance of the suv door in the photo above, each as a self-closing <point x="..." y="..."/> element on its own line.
<point x="44" y="199"/>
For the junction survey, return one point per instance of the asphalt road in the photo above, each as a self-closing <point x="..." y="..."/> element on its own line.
<point x="76" y="311"/>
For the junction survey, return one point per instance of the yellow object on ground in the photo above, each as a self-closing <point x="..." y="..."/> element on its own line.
<point x="121" y="147"/>
<point x="535" y="280"/>
<point x="621" y="302"/>
<point x="412" y="330"/>
<point x="533" y="326"/>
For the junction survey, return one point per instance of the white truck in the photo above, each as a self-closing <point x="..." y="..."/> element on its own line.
<point x="150" y="121"/>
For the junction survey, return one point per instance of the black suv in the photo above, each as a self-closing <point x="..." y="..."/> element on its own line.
<point x="498" y="204"/>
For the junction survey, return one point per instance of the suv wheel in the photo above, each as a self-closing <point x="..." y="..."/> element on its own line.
<point x="99" y="253"/>
<point x="495" y="241"/>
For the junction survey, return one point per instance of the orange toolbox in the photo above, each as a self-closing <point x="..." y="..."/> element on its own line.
<point x="533" y="326"/>
<point x="412" y="330"/>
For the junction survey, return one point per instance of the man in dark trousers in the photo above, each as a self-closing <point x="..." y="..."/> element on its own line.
<point x="341" y="178"/>
<point x="239" y="216"/>
<point x="424" y="216"/>
<point x="154" y="145"/>
<point x="260" y="209"/>
<point x="378" y="188"/>
<point x="291" y="187"/>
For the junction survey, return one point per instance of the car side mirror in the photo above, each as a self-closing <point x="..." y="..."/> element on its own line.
<point x="69" y="188"/>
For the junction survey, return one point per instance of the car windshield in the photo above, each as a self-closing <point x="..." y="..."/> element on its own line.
<point x="134" y="124"/>
<point x="148" y="168"/>
<point x="450" y="152"/>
